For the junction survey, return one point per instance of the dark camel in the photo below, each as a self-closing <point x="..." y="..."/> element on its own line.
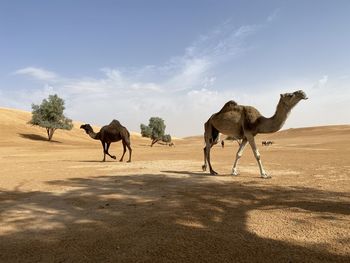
<point x="112" y="132"/>
<point x="243" y="123"/>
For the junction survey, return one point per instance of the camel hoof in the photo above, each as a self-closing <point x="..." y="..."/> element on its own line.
<point x="114" y="157"/>
<point x="204" y="167"/>
<point x="129" y="161"/>
<point x="265" y="176"/>
<point x="213" y="173"/>
<point x="120" y="160"/>
<point x="234" y="172"/>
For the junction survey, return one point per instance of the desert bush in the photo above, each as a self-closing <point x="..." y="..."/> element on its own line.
<point x="49" y="115"/>
<point x="145" y="131"/>
<point x="154" y="130"/>
<point x="166" y="138"/>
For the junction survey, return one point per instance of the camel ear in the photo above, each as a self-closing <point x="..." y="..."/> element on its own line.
<point x="281" y="95"/>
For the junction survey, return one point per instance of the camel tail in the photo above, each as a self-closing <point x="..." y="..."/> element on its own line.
<point x="214" y="134"/>
<point x="211" y="134"/>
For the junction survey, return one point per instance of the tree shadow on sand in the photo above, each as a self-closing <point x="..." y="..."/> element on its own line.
<point x="156" y="218"/>
<point x="36" y="137"/>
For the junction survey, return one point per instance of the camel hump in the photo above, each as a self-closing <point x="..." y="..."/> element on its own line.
<point x="115" y="122"/>
<point x="121" y="128"/>
<point x="230" y="105"/>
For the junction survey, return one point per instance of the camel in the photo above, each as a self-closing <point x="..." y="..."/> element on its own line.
<point x="244" y="122"/>
<point x="266" y="143"/>
<point x="112" y="132"/>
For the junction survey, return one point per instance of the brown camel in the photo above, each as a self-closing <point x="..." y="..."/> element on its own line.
<point x="244" y="122"/>
<point x="112" y="132"/>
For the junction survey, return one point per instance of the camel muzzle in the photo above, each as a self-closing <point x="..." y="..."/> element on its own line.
<point x="302" y="94"/>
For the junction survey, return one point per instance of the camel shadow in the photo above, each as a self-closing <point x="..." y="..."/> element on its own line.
<point x="198" y="173"/>
<point x="142" y="144"/>
<point x="187" y="173"/>
<point x="97" y="161"/>
<point x="91" y="161"/>
<point x="36" y="137"/>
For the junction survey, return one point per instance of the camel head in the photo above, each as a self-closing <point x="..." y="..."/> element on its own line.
<point x="291" y="99"/>
<point x="86" y="127"/>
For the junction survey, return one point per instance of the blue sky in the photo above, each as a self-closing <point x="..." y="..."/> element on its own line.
<point x="180" y="60"/>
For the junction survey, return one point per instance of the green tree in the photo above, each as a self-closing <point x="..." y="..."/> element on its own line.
<point x="166" y="138"/>
<point x="49" y="115"/>
<point x="145" y="131"/>
<point x="155" y="129"/>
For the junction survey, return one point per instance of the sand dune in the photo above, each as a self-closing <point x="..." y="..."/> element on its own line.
<point x="15" y="123"/>
<point x="14" y="127"/>
<point x="59" y="203"/>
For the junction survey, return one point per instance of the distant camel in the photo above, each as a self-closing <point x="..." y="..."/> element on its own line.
<point x="244" y="122"/>
<point x="112" y="132"/>
<point x="266" y="143"/>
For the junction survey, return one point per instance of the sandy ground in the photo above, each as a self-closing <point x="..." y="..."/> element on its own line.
<point x="59" y="203"/>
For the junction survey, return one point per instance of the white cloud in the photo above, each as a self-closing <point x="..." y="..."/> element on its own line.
<point x="146" y="87"/>
<point x="274" y="15"/>
<point x="98" y="100"/>
<point x="321" y="83"/>
<point x="37" y="73"/>
<point x="246" y="30"/>
<point x="222" y="43"/>
<point x="190" y="74"/>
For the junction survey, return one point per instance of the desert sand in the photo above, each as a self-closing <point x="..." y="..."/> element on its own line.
<point x="60" y="203"/>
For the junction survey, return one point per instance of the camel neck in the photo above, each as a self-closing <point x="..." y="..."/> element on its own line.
<point x="275" y="123"/>
<point x="94" y="135"/>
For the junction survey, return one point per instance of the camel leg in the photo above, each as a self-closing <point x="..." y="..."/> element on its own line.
<point x="257" y="157"/>
<point x="124" y="150"/>
<point x="130" y="150"/>
<point x="239" y="155"/>
<point x="207" y="149"/>
<point x="104" y="151"/>
<point x="208" y="157"/>
<point x="211" y="138"/>
<point x="107" y="148"/>
<point x="206" y="141"/>
<point x="204" y="166"/>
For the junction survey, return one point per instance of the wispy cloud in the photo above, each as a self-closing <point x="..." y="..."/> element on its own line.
<point x="194" y="68"/>
<point x="37" y="73"/>
<point x="244" y="31"/>
<point x="322" y="82"/>
<point x="224" y="42"/>
<point x="274" y="15"/>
